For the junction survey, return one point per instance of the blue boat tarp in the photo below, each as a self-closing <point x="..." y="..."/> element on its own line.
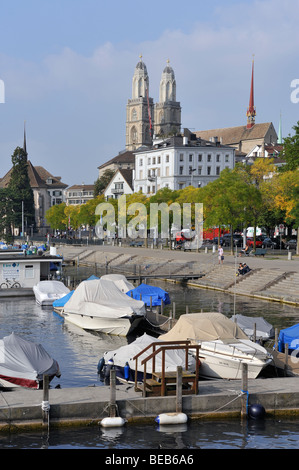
<point x="61" y="302"/>
<point x="146" y="291"/>
<point x="289" y="336"/>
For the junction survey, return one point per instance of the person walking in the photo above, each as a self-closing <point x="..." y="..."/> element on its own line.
<point x="220" y="255"/>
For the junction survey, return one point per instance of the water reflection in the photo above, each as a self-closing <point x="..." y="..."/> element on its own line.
<point x="197" y="434"/>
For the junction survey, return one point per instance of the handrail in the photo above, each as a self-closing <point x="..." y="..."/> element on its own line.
<point x="166" y="345"/>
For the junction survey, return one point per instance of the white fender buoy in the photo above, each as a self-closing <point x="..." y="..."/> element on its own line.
<point x="117" y="421"/>
<point x="172" y="418"/>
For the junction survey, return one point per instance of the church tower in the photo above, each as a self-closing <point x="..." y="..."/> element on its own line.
<point x="168" y="110"/>
<point x="140" y="110"/>
<point x="251" y="113"/>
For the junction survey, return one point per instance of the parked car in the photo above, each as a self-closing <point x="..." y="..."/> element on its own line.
<point x="269" y="243"/>
<point x="291" y="244"/>
<point x="258" y="242"/>
<point x="225" y="240"/>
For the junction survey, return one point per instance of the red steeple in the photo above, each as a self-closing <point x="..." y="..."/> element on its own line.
<point x="251" y="113"/>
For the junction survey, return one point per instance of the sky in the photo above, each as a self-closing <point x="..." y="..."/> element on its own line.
<point x="66" y="69"/>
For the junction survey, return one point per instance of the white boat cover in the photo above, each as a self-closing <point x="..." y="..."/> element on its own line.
<point x="120" y="281"/>
<point x="49" y="290"/>
<point x="264" y="330"/>
<point x="24" y="363"/>
<point x="173" y="358"/>
<point x="101" y="298"/>
<point x="205" y="326"/>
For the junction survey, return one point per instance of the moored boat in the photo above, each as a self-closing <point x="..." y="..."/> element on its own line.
<point x="99" y="305"/>
<point x="46" y="292"/>
<point x="224" y="347"/>
<point x="23" y="363"/>
<point x="122" y="360"/>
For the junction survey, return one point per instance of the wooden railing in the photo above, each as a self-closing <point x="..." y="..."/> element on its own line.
<point x="164" y="346"/>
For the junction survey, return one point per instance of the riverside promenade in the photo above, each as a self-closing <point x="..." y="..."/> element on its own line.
<point x="272" y="277"/>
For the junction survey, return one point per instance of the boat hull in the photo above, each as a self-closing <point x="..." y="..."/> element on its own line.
<point x="113" y="326"/>
<point x="214" y="366"/>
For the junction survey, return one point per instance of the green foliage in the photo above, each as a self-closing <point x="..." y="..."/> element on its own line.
<point x="101" y="183"/>
<point x="19" y="185"/>
<point x="291" y="150"/>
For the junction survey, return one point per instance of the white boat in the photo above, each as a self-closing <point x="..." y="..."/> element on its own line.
<point x="46" y="292"/>
<point x="224" y="347"/>
<point x="123" y="363"/>
<point x="23" y="363"/>
<point x="99" y="305"/>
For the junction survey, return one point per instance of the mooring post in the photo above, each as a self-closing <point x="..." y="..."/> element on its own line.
<point x="179" y="399"/>
<point x="45" y="402"/>
<point x="112" y="404"/>
<point x="244" y="390"/>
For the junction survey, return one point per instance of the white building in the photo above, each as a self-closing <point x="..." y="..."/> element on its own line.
<point x="177" y="162"/>
<point x="121" y="183"/>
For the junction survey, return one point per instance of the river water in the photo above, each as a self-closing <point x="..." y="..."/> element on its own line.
<point x="78" y="353"/>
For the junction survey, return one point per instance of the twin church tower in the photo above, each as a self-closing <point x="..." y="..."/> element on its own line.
<point x="146" y="118"/>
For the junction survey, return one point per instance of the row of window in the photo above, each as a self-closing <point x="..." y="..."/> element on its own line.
<point x="191" y="158"/>
<point x="80" y="193"/>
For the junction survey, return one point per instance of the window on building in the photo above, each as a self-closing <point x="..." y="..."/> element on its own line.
<point x="209" y="158"/>
<point x="208" y="170"/>
<point x="141" y="162"/>
<point x="181" y="157"/>
<point x="218" y="157"/>
<point x="181" y="170"/>
<point x="200" y="157"/>
<point x="167" y="158"/>
<point x="149" y="161"/>
<point x="226" y="158"/>
<point x="159" y="159"/>
<point x="217" y="170"/>
<point x="29" y="271"/>
<point x="154" y="160"/>
<point x="199" y="170"/>
<point x="190" y="157"/>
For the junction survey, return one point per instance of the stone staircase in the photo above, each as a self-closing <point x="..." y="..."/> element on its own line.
<point x="287" y="288"/>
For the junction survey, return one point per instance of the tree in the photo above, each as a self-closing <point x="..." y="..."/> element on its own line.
<point x="102" y="182"/>
<point x="6" y="214"/>
<point x="56" y="217"/>
<point x="291" y="151"/>
<point x="19" y="184"/>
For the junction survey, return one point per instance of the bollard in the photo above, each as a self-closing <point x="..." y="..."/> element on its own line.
<point x="289" y="255"/>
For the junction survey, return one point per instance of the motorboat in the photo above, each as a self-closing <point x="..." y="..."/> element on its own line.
<point x="47" y="291"/>
<point x="99" y="305"/>
<point x="24" y="363"/>
<point x="151" y="295"/>
<point x="224" y="347"/>
<point x="122" y="361"/>
<point x="255" y="327"/>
